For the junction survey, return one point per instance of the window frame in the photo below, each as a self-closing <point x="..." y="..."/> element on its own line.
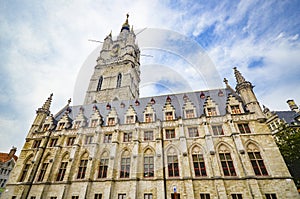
<point x="127" y="136"/>
<point x="217" y="129"/>
<point x="103" y="167"/>
<point x="200" y="169"/>
<point x="170" y="133"/>
<point x="193" y="132"/>
<point x="227" y="164"/>
<point x="82" y="168"/>
<point x="62" y="171"/>
<point x="107" y="138"/>
<point x="148" y="167"/>
<point x="173" y="166"/>
<point x="257" y="163"/>
<point x="125" y="167"/>
<point x="244" y="128"/>
<point x="148" y="136"/>
<point x="43" y="171"/>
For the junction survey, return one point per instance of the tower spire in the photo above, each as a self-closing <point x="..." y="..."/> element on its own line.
<point x="126" y="25"/>
<point x="239" y="77"/>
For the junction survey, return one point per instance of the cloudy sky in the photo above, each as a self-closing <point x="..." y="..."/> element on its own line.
<point x="44" y="47"/>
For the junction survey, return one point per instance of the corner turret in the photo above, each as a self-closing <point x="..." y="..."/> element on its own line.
<point x="245" y="90"/>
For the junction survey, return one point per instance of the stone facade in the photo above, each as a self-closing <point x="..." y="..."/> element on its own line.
<point x="206" y="144"/>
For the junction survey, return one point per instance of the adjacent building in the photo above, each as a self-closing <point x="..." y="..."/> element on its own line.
<point x="204" y="144"/>
<point x="7" y="163"/>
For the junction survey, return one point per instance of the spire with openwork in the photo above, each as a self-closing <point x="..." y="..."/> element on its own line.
<point x="239" y="77"/>
<point x="46" y="106"/>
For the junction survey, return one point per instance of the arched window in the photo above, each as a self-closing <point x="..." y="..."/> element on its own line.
<point x="99" y="83"/>
<point x="256" y="161"/>
<point x="198" y="162"/>
<point x="25" y="169"/>
<point x="125" y="165"/>
<point x="103" y="166"/>
<point x="148" y="164"/>
<point x="173" y="163"/>
<point x="63" y="167"/>
<point x="43" y="169"/>
<point x="119" y="80"/>
<point x="82" y="166"/>
<point x="226" y="161"/>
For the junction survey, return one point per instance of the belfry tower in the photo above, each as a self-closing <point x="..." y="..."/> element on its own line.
<point x="117" y="73"/>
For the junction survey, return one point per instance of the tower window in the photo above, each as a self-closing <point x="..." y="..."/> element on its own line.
<point x="257" y="163"/>
<point x="94" y="123"/>
<point x="227" y="164"/>
<point x="119" y="80"/>
<point x="99" y="83"/>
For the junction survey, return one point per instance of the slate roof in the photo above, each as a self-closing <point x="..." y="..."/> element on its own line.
<point x="177" y="102"/>
<point x="288" y="116"/>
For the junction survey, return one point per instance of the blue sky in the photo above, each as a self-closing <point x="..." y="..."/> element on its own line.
<point x="44" y="45"/>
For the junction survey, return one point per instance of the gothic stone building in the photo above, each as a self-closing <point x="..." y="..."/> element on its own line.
<point x="206" y="144"/>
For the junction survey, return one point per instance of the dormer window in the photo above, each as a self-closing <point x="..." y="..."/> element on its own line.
<point x="148" y="117"/>
<point x="61" y="126"/>
<point x="130" y="119"/>
<point x="235" y="109"/>
<point x="94" y="123"/>
<point x="77" y="124"/>
<point x="169" y="115"/>
<point x="211" y="111"/>
<point x="111" y="121"/>
<point x="189" y="113"/>
<point x="46" y="127"/>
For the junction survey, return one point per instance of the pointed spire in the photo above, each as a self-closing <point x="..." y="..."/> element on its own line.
<point x="239" y="77"/>
<point x="47" y="104"/>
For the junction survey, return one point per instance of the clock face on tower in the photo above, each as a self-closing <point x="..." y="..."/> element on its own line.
<point x="115" y="50"/>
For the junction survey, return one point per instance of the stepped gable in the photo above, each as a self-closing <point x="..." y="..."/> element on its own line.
<point x="177" y="102"/>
